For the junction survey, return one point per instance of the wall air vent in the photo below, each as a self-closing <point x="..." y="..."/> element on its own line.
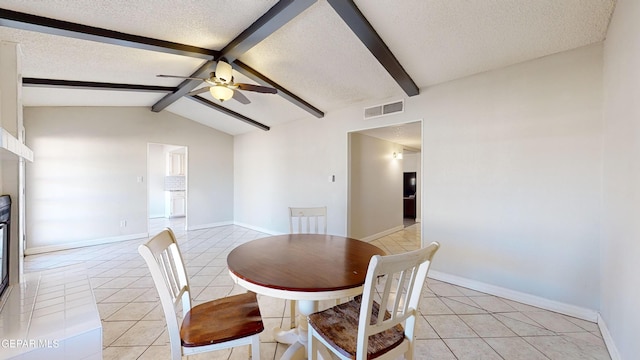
<point x="384" y="109"/>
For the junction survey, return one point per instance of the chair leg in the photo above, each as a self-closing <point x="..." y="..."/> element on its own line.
<point x="408" y="355"/>
<point x="312" y="345"/>
<point x="292" y="305"/>
<point x="254" y="348"/>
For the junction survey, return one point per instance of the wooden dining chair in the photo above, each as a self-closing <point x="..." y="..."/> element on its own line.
<point x="308" y="220"/>
<point x="371" y="325"/>
<point x="311" y="220"/>
<point x="214" y="325"/>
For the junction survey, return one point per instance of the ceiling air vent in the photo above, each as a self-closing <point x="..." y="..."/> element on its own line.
<point x="384" y="109"/>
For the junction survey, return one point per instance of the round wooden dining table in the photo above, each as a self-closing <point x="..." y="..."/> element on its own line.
<point x="303" y="267"/>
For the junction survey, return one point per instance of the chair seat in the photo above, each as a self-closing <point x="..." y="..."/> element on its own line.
<point x="222" y="320"/>
<point x="339" y="327"/>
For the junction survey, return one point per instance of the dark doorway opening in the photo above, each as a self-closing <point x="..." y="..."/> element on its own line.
<point x="409" y="197"/>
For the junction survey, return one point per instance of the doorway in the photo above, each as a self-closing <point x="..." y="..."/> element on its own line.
<point x="409" y="189"/>
<point x="167" y="187"/>
<point x="399" y="152"/>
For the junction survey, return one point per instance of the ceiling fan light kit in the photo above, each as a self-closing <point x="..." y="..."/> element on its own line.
<point x="221" y="92"/>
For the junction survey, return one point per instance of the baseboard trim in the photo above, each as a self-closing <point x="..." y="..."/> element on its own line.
<point x="209" y="226"/>
<point x="370" y="238"/>
<point x="537" y="301"/>
<point x="257" y="228"/>
<point x="84" y="243"/>
<point x="608" y="340"/>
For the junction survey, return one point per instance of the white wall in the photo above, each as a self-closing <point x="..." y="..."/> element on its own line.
<point x="290" y="166"/>
<point x="620" y="248"/>
<point x="512" y="185"/>
<point x="83" y="180"/>
<point x="156" y="169"/>
<point x="511" y="163"/>
<point x="375" y="181"/>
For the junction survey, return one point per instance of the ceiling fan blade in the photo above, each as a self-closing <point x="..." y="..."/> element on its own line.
<point x="198" y="91"/>
<point x="257" y="88"/>
<point x="180" y="77"/>
<point x="241" y="98"/>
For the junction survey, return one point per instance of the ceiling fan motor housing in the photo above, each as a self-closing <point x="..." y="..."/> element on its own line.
<point x="223" y="72"/>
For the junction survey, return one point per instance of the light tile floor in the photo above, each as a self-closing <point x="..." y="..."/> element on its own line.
<point x="455" y="322"/>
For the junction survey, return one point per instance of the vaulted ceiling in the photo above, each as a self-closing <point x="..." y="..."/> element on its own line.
<point x="321" y="55"/>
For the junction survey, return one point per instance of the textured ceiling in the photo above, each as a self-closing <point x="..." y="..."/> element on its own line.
<point x="57" y="57"/>
<point x="209" y="24"/>
<point x="316" y="56"/>
<point x="437" y="41"/>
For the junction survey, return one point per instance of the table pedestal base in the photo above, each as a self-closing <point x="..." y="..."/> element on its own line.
<point x="298" y="337"/>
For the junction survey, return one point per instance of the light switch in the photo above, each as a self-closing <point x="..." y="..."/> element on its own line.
<point x="139" y="179"/>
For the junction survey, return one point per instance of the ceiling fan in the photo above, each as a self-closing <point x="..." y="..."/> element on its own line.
<point x="222" y="87"/>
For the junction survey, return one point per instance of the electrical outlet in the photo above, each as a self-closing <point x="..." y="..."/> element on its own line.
<point x="123" y="223"/>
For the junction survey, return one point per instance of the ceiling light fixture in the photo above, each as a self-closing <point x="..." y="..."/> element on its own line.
<point x="221" y="92"/>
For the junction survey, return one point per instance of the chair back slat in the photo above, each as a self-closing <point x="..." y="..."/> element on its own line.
<point x="308" y="220"/>
<point x="177" y="286"/>
<point x="400" y="280"/>
<point x="412" y="285"/>
<point x="400" y="295"/>
<point x="384" y="299"/>
<point x="167" y="274"/>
